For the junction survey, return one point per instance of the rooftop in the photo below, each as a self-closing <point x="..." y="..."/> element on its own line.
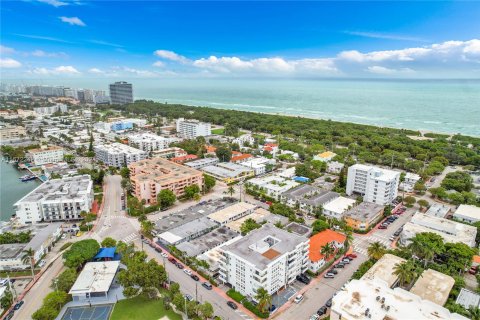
<point x="310" y="195"/>
<point x="261" y="246"/>
<point x="273" y="182"/>
<point x="378" y="173"/>
<point x="201" y="162"/>
<point x="117" y="147"/>
<point x="45" y="149"/>
<point x="259" y="215"/>
<point x="145" y="136"/>
<point x="374" y="297"/>
<point x="365" y="211"/>
<point x="298" y="228"/>
<point x="433" y="286"/>
<point x="224" y="215"/>
<point x="208" y="241"/>
<point x="95" y="277"/>
<point x="318" y="241"/>
<point x="468" y="211"/>
<point x="42" y="234"/>
<point x="11" y="251"/>
<point x="340" y="204"/>
<point x="226" y="170"/>
<point x="438" y="210"/>
<point x="186" y="230"/>
<point x="326" y="155"/>
<point x="160" y="170"/>
<point x="468" y="298"/>
<point x="68" y="188"/>
<point x="383" y="269"/>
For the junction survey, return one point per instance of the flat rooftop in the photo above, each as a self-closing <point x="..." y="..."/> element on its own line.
<point x="262" y="246"/>
<point x="359" y="297"/>
<point x="208" y="241"/>
<point x="117" y="148"/>
<point x="42" y="234"/>
<point x="433" y="286"/>
<point x="298" y="228"/>
<point x="11" y="251"/>
<point x="201" y="162"/>
<point x="67" y="189"/>
<point x="226" y="170"/>
<point x="186" y="230"/>
<point x="259" y="215"/>
<point x="365" y="211"/>
<point x="383" y="269"/>
<point x="225" y="214"/>
<point x="340" y="204"/>
<point x="468" y="211"/>
<point x="160" y="170"/>
<point x="438" y="210"/>
<point x="378" y="173"/>
<point x="199" y="210"/>
<point x="95" y="277"/>
<point x="274" y="183"/>
<point x="468" y="298"/>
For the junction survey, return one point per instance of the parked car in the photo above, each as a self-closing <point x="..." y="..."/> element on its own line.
<point x="158" y="249"/>
<point x="339" y="265"/>
<point x="172" y="260"/>
<point x="188" y="297"/>
<point x="352" y="255"/>
<point x="179" y="265"/>
<point x="382" y="227"/>
<point x="322" y="311"/>
<point x="298" y="298"/>
<point x="345" y="261"/>
<point x="232" y="305"/>
<point x="165" y="255"/>
<point x="272" y="308"/>
<point x="334" y="271"/>
<point x="9" y="315"/>
<point x="328" y="303"/>
<point x="207" y="286"/>
<point x="195" y="277"/>
<point x="329" y="275"/>
<point x="303" y="279"/>
<point x="42" y="263"/>
<point x="18" y="305"/>
<point x="188" y="272"/>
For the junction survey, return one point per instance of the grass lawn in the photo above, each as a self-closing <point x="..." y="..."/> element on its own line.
<point x="218" y="131"/>
<point x="142" y="308"/>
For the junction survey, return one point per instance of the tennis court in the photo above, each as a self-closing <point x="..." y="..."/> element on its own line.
<point x="100" y="312"/>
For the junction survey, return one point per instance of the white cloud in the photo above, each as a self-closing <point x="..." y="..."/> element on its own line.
<point x="408" y="54"/>
<point x="6" y="50"/>
<point x="74" y="21"/>
<point x="388" y="71"/>
<point x="55" y="3"/>
<point x="44" y="54"/>
<point x="159" y="64"/>
<point x="170" y="55"/>
<point x="140" y="73"/>
<point x="61" y="70"/>
<point x="95" y="71"/>
<point x="380" y="35"/>
<point x="9" y="63"/>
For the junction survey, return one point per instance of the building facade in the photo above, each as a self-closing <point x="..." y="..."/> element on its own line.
<point x="375" y="184"/>
<point x="41" y="156"/>
<point x="118" y="154"/>
<point x="121" y="92"/>
<point x="190" y="129"/>
<point x="149" y="141"/>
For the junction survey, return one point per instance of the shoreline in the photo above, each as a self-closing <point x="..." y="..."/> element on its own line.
<point x="421" y="131"/>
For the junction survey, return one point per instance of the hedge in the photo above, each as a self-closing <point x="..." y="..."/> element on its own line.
<point x="235" y="295"/>
<point x="250" y="306"/>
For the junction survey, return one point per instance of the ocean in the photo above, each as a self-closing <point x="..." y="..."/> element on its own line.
<point x="444" y="106"/>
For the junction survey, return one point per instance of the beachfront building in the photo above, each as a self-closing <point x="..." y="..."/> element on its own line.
<point x="409" y="182"/>
<point x="364" y="216"/>
<point x="272" y="185"/>
<point x="149" y="141"/>
<point x="320" y="240"/>
<point x="375" y="184"/>
<point x="191" y="129"/>
<point x="337" y="207"/>
<point x="267" y="257"/>
<point x="449" y="230"/>
<point x="118" y="154"/>
<point x="228" y="172"/>
<point x="467" y="213"/>
<point x="325" y="156"/>
<point x="150" y="176"/>
<point x="307" y="198"/>
<point x="44" y="155"/>
<point x="46" y="111"/>
<point x="169" y="153"/>
<point x="56" y="200"/>
<point x="121" y="92"/>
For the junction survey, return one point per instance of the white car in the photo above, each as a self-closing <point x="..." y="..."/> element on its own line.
<point x="163" y="254"/>
<point x="42" y="263"/>
<point x="64" y="236"/>
<point x="315" y="317"/>
<point x="187" y="272"/>
<point x="298" y="298"/>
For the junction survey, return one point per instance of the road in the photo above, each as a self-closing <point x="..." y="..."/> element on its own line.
<point x="188" y="285"/>
<point x="317" y="293"/>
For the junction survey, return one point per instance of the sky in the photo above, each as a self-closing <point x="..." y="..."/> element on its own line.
<point x="43" y="39"/>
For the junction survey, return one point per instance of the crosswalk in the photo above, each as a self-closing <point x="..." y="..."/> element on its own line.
<point x="360" y="244"/>
<point x="243" y="315"/>
<point x="131" y="237"/>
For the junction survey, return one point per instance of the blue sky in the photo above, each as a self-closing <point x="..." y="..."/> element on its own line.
<point x="60" y="38"/>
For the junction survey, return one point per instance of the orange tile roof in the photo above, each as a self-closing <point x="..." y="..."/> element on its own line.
<point x="236" y="153"/>
<point x="184" y="158"/>
<point x="240" y="157"/>
<point x="210" y="149"/>
<point x="321" y="239"/>
<point x="271" y="145"/>
<point x="476" y="259"/>
<point x="267" y="149"/>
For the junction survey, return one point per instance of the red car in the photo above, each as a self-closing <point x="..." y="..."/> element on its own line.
<point x="382" y="227"/>
<point x="352" y="255"/>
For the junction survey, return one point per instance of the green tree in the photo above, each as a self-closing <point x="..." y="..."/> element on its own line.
<point x="166" y="198"/>
<point x="439" y="193"/>
<point x="406" y="272"/>
<point x="147" y="227"/>
<point x="422" y="203"/>
<point x="191" y="191"/>
<point x="208" y="182"/>
<point x="205" y="310"/>
<point x="29" y="257"/>
<point x="419" y="187"/>
<point x="458" y="180"/>
<point x="376" y="250"/>
<point x="109" y="242"/>
<point x="264" y="299"/>
<point x="7" y="299"/>
<point x="319" y="225"/>
<point x="327" y="250"/>
<point x="231" y="190"/>
<point x="179" y="301"/>
<point x="426" y="245"/>
<point x="125" y="172"/>
<point x="249" y="225"/>
<point x="65" y="280"/>
<point x="80" y="252"/>
<point x="409" y="201"/>
<point x="456" y="198"/>
<point x="223" y="153"/>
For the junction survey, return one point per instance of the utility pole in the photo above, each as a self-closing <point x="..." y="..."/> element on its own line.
<point x="196" y="291"/>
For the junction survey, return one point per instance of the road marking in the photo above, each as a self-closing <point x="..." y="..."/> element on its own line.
<point x="130" y="238"/>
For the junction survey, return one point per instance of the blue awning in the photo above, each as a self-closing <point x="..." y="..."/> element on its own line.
<point x="104" y="253"/>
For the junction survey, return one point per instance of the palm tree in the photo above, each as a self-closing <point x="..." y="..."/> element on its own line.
<point x="327" y="250"/>
<point x="376" y="250"/>
<point x="406" y="272"/>
<point x="231" y="190"/>
<point x="420" y="250"/>
<point x="348" y="239"/>
<point x="264" y="299"/>
<point x="29" y="257"/>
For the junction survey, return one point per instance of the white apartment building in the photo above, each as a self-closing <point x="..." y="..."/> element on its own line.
<point x="56" y="200"/>
<point x="449" y="230"/>
<point x="467" y="213"/>
<point x="409" y="182"/>
<point x="375" y="184"/>
<point x="337" y="207"/>
<point x="12" y="133"/>
<point x="259" y="165"/>
<point x="244" y="139"/>
<point x="149" y="141"/>
<point x="44" y="155"/>
<point x="272" y="185"/>
<point x="45" y="111"/>
<point x="190" y="129"/>
<point x="118" y="154"/>
<point x="268" y="258"/>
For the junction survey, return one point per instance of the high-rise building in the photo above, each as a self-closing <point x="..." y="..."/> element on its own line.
<point x="375" y="184"/>
<point x="121" y="92"/>
<point x="190" y="128"/>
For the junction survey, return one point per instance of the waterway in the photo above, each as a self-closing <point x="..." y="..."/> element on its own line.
<point x="12" y="189"/>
